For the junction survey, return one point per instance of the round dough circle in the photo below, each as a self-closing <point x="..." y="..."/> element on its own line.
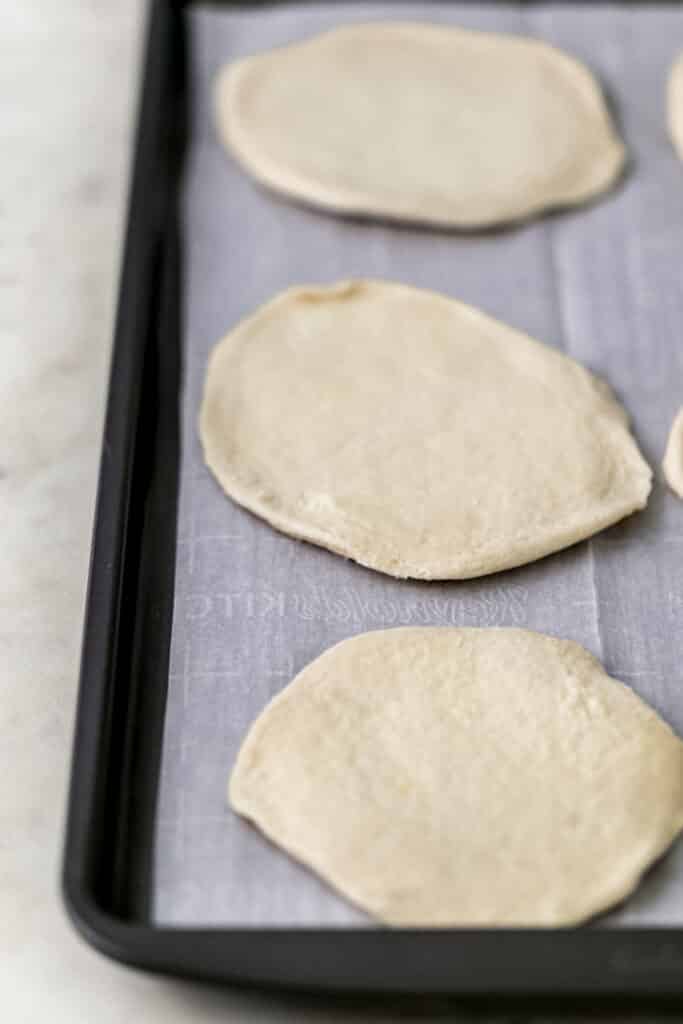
<point x="673" y="460"/>
<point x="464" y="777"/>
<point x="422" y="123"/>
<point x="414" y="434"/>
<point x="676" y="105"/>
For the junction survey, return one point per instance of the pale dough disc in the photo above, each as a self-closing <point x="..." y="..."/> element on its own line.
<point x="413" y="433"/>
<point x="464" y="777"/>
<point x="422" y="123"/>
<point x="676" y="105"/>
<point x="673" y="460"/>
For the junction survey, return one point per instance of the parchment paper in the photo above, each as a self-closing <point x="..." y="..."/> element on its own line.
<point x="252" y="607"/>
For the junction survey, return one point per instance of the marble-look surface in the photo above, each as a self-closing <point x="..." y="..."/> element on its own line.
<point x="67" y="81"/>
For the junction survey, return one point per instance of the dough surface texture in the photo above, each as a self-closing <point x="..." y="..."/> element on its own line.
<point x="464" y="777"/>
<point x="414" y="434"/>
<point x="673" y="460"/>
<point x="423" y="123"/>
<point x="676" y="105"/>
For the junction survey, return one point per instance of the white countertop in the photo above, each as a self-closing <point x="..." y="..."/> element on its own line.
<point x="68" y="76"/>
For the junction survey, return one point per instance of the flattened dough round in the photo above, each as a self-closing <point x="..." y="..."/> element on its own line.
<point x="673" y="460"/>
<point x="676" y="105"/>
<point x="413" y="433"/>
<point x="444" y="777"/>
<point x="421" y="122"/>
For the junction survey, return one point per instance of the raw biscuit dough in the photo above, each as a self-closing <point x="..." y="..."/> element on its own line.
<point x="414" y="434"/>
<point x="676" y="105"/>
<point x="673" y="460"/>
<point x="464" y="777"/>
<point x="422" y="123"/>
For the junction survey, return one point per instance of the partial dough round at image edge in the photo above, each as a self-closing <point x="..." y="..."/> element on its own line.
<point x="414" y="434"/>
<point x="444" y="777"/>
<point x="419" y="122"/>
<point x="673" y="459"/>
<point x="675" y="104"/>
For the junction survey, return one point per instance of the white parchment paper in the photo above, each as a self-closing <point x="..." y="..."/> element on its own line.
<point x="252" y="607"/>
